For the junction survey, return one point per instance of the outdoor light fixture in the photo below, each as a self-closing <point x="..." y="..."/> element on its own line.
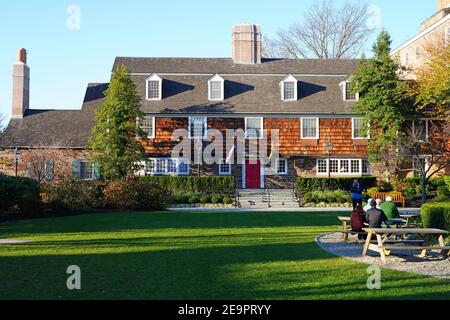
<point x="16" y="159"/>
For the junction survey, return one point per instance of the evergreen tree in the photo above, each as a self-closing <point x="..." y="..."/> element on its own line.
<point x="114" y="144"/>
<point x="381" y="99"/>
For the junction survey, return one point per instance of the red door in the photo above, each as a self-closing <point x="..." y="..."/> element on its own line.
<point x="253" y="175"/>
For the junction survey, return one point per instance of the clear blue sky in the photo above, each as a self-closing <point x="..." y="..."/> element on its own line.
<point x="63" y="61"/>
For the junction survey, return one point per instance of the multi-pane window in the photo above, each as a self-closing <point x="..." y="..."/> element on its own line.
<point x="350" y="95"/>
<point x="359" y="130"/>
<point x="417" y="54"/>
<point x="224" y="168"/>
<point x="282" y="166"/>
<point x="154" y="90"/>
<point x="171" y="166"/>
<point x="343" y="167"/>
<point x="147" y="124"/>
<point x="163" y="166"/>
<point x="254" y="128"/>
<point x="289" y="90"/>
<point x="216" y="90"/>
<point x="198" y="127"/>
<point x="183" y="167"/>
<point x="406" y="58"/>
<point x="322" y="166"/>
<point x="86" y="170"/>
<point x="49" y="170"/>
<point x="310" y="128"/>
<point x="421" y="130"/>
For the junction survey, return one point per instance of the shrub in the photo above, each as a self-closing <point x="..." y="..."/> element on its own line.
<point x="384" y="186"/>
<point x="194" y="199"/>
<point x="215" y="199"/>
<point x="330" y="184"/>
<point x="74" y="195"/>
<point x="447" y="182"/>
<point x="207" y="185"/>
<point x="410" y="193"/>
<point x="20" y="194"/>
<point x="204" y="200"/>
<point x="327" y="197"/>
<point x="443" y="192"/>
<point x="436" y="215"/>
<point x="135" y="195"/>
<point x="227" y="200"/>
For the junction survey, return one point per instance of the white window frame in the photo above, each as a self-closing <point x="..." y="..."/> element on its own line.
<point x="153" y="77"/>
<point x="344" y="92"/>
<point x="317" y="128"/>
<point x="417" y="53"/>
<point x="150" y="135"/>
<point x="188" y="166"/>
<point x="224" y="173"/>
<point x="286" y="169"/>
<point x="164" y="166"/>
<point x="91" y="178"/>
<point x="427" y="129"/>
<point x="407" y="59"/>
<point x="261" y="136"/>
<point x="216" y="78"/>
<point x="205" y="125"/>
<point x="360" y="172"/>
<point x="353" y="131"/>
<point x="289" y="78"/>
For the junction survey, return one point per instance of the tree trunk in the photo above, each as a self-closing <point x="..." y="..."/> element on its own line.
<point x="424" y="188"/>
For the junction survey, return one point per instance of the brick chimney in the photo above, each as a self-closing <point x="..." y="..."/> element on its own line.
<point x="247" y="44"/>
<point x="21" y="85"/>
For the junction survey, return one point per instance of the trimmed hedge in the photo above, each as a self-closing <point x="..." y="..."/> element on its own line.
<point x="330" y="184"/>
<point x="436" y="215"/>
<point x="209" y="185"/>
<point x="20" y="194"/>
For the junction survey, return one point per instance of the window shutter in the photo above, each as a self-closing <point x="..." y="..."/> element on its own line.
<point x="76" y="169"/>
<point x="49" y="165"/>
<point x="96" y="172"/>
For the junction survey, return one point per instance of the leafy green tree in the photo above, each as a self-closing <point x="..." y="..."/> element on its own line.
<point x="381" y="102"/>
<point x="115" y="137"/>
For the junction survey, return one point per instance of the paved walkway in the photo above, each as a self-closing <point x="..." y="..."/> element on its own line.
<point x="10" y="241"/>
<point x="337" y="210"/>
<point x="433" y="265"/>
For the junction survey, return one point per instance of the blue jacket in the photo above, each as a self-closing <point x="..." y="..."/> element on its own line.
<point x="357" y="191"/>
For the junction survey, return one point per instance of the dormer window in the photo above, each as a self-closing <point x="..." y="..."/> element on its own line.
<point x="154" y="88"/>
<point x="348" y="91"/>
<point x="289" y="88"/>
<point x="216" y="88"/>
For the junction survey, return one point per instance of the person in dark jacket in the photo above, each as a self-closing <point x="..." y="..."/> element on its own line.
<point x="357" y="194"/>
<point x="358" y="218"/>
<point x="375" y="217"/>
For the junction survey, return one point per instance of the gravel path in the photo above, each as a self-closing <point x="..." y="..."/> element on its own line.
<point x="433" y="265"/>
<point x="9" y="242"/>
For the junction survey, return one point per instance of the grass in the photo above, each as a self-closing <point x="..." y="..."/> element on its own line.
<point x="188" y="255"/>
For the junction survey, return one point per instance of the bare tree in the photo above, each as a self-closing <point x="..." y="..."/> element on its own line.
<point x="328" y="32"/>
<point x="46" y="162"/>
<point x="428" y="147"/>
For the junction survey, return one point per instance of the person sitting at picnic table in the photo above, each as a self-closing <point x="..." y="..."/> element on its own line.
<point x="390" y="209"/>
<point x="375" y="217"/>
<point x="367" y="207"/>
<point x="379" y="203"/>
<point x="358" y="218"/>
<point x="357" y="194"/>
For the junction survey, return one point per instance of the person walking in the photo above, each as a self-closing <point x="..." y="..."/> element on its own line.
<point x="357" y="194"/>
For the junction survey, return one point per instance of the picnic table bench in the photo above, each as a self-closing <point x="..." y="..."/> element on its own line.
<point x="412" y="216"/>
<point x="346" y="229"/>
<point x="384" y="249"/>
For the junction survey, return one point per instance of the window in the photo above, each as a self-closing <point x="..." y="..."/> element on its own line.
<point x="358" y="130"/>
<point x="154" y="87"/>
<point x="254" y="128"/>
<point x="349" y="95"/>
<point x="421" y="130"/>
<point x="162" y="166"/>
<point x="310" y="128"/>
<point x="447" y="36"/>
<point x="343" y="167"/>
<point x="289" y="88"/>
<point x="49" y="170"/>
<point x="198" y="127"/>
<point x="85" y="170"/>
<point x="282" y="167"/>
<point x="147" y="124"/>
<point x="224" y="168"/>
<point x="216" y="88"/>
<point x="406" y="59"/>
<point x="417" y="54"/>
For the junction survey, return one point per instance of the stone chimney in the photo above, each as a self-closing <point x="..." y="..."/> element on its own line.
<point x="441" y="4"/>
<point x="21" y="85"/>
<point x="247" y="44"/>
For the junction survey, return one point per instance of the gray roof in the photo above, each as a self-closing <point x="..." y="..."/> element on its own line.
<point x="63" y="128"/>
<point x="248" y="88"/>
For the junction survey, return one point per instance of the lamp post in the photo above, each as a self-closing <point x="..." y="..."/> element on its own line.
<point x="329" y="146"/>
<point x="16" y="159"/>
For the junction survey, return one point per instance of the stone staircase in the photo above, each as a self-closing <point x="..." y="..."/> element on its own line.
<point x="265" y="199"/>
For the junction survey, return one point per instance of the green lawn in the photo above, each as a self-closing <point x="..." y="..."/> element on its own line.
<point x="191" y="256"/>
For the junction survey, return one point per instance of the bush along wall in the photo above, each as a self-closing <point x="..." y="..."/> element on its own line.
<point x="21" y="195"/>
<point x="331" y="184"/>
<point x="207" y="185"/>
<point x="436" y="215"/>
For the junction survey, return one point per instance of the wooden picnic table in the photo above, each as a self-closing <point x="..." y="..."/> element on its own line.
<point x="414" y="216"/>
<point x="346" y="229"/>
<point x="382" y="236"/>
